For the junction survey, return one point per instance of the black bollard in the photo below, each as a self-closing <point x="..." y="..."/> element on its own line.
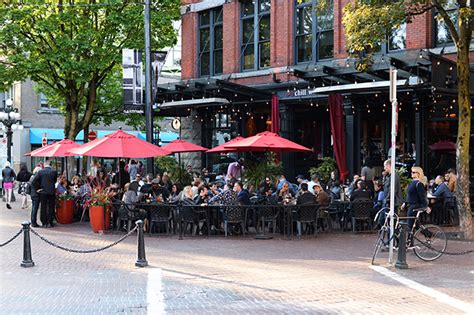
<point x="141" y="261"/>
<point x="27" y="261"/>
<point x="402" y="248"/>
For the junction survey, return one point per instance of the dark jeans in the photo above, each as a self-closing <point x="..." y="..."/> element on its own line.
<point x="48" y="204"/>
<point x="35" y="202"/>
<point x="410" y="215"/>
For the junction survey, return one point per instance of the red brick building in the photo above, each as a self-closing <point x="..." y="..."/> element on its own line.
<point x="236" y="55"/>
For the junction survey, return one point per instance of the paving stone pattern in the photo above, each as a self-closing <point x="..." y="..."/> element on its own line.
<point x="328" y="274"/>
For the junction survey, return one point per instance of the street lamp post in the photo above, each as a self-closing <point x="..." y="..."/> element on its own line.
<point x="10" y="118"/>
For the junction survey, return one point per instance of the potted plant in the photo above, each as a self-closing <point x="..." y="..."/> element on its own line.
<point x="257" y="169"/>
<point x="65" y="208"/>
<point x="99" y="207"/>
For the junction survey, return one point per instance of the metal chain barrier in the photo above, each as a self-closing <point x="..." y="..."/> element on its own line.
<point x="88" y="250"/>
<point x="11" y="240"/>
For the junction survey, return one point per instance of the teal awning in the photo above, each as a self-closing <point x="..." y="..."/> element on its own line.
<point x="36" y="135"/>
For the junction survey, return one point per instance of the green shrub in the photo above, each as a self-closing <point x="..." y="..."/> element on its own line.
<point x="257" y="169"/>
<point x="324" y="169"/>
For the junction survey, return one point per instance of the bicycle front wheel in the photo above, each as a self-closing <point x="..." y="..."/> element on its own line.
<point x="429" y="242"/>
<point x="382" y="241"/>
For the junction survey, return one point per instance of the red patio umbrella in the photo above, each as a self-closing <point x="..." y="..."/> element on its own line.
<point x="443" y="145"/>
<point x="177" y="146"/>
<point x="222" y="149"/>
<point x="267" y="141"/>
<point x="56" y="149"/>
<point x="119" y="144"/>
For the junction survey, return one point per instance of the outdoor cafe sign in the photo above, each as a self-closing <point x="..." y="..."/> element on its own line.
<point x="295" y="93"/>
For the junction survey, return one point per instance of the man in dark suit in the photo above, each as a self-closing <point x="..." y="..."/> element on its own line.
<point x="243" y="195"/>
<point x="45" y="182"/>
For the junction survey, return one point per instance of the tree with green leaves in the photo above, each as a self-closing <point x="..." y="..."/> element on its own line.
<point x="72" y="50"/>
<point x="369" y="22"/>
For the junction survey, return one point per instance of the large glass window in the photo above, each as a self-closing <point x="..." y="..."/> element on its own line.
<point x="397" y="40"/>
<point x="4" y="96"/>
<point x="442" y="33"/>
<point x="255" y="47"/>
<point x="314" y="31"/>
<point x="210" y="42"/>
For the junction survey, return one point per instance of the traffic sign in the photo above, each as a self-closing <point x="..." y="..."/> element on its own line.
<point x="44" y="141"/>
<point x="92" y="135"/>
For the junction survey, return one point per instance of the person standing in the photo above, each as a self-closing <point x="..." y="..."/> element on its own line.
<point x="45" y="184"/>
<point x="24" y="179"/>
<point x="234" y="170"/>
<point x="121" y="177"/>
<point x="416" y="193"/>
<point x="386" y="186"/>
<point x="35" y="198"/>
<point x="368" y="174"/>
<point x="9" y="176"/>
<point x="133" y="168"/>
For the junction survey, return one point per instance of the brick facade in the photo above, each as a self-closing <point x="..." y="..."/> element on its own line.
<point x="419" y="35"/>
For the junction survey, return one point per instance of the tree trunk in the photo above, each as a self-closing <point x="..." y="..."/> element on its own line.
<point x="464" y="130"/>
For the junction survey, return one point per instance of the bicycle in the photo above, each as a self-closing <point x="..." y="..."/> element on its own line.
<point x="428" y="242"/>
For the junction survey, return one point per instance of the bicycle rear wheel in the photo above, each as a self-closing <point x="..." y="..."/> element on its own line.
<point x="382" y="241"/>
<point x="429" y="242"/>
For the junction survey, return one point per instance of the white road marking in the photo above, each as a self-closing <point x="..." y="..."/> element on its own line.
<point x="466" y="307"/>
<point x="154" y="292"/>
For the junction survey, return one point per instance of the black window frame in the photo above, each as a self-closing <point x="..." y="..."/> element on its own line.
<point x="215" y="16"/>
<point x="316" y="31"/>
<point x="255" y="39"/>
<point x="385" y="45"/>
<point x="453" y="7"/>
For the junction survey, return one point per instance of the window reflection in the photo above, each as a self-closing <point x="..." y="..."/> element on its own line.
<point x="255" y="16"/>
<point x="210" y="42"/>
<point x="314" y="32"/>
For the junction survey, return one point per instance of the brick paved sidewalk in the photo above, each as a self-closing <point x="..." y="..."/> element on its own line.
<point x="328" y="274"/>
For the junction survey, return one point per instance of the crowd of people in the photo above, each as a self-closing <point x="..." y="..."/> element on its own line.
<point x="131" y="185"/>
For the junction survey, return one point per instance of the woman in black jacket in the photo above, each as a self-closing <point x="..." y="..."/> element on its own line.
<point x="9" y="177"/>
<point x="416" y="193"/>
<point x="24" y="179"/>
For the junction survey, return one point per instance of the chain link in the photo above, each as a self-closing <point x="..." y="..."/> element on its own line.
<point x="87" y="251"/>
<point x="10" y="240"/>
